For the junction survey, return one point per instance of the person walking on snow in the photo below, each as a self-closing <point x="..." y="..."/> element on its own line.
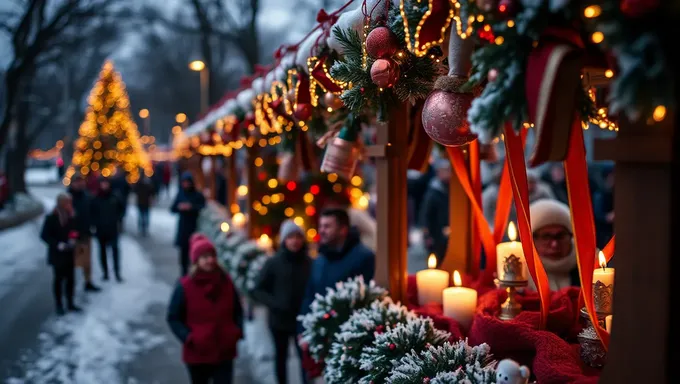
<point x="434" y="210"/>
<point x="205" y="314"/>
<point x="145" y="192"/>
<point x="107" y="209"/>
<point x="188" y="205"/>
<point x="82" y="205"/>
<point x="281" y="287"/>
<point x="59" y="232"/>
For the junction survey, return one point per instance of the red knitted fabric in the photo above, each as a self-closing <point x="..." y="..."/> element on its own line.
<point x="310" y="366"/>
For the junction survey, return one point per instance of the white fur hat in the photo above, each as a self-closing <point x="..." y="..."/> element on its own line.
<point x="546" y="212"/>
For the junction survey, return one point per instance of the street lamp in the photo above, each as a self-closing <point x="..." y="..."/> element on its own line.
<point x="144" y="115"/>
<point x="199" y="66"/>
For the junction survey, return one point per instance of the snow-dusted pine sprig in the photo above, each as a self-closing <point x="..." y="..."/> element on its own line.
<point x="449" y="363"/>
<point x="328" y="312"/>
<point x="342" y="362"/>
<point x="240" y="263"/>
<point x="388" y="348"/>
<point x="254" y="271"/>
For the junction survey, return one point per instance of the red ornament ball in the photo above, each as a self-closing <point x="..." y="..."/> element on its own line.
<point x="492" y="75"/>
<point x="333" y="101"/>
<point x="426" y="380"/>
<point x="445" y="118"/>
<point x="303" y="112"/>
<point x="380" y="329"/>
<point x="381" y="42"/>
<point x="384" y="73"/>
<point x="392" y="346"/>
<point x="326" y="316"/>
<point x="333" y="313"/>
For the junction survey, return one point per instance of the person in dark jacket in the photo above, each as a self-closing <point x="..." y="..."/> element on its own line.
<point x="82" y="205"/>
<point x="341" y="256"/>
<point x="281" y="287"/>
<point x="205" y="314"/>
<point x="121" y="188"/>
<point x="107" y="209"/>
<point x="59" y="232"/>
<point x="146" y="193"/>
<point x="434" y="211"/>
<point x="188" y="205"/>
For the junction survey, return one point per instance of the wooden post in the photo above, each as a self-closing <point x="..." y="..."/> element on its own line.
<point x="251" y="176"/>
<point x="391" y="166"/>
<point x="231" y="179"/>
<point x="644" y="253"/>
<point x="213" y="177"/>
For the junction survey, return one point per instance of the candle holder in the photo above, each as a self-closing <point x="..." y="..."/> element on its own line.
<point x="511" y="307"/>
<point x="603" y="297"/>
<point x="592" y="350"/>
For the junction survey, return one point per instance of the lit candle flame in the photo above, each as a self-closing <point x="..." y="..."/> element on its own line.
<point x="432" y="261"/>
<point x="602" y="259"/>
<point x="457" y="281"/>
<point x="512" y="231"/>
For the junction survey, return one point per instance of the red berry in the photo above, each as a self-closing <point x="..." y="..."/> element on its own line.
<point x="392" y="346"/>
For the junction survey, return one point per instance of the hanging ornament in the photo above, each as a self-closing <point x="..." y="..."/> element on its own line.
<point x="445" y="110"/>
<point x="492" y="75"/>
<point x="303" y="112"/>
<point x="392" y="346"/>
<point x="385" y="73"/>
<point x="380" y="329"/>
<point x="333" y="101"/>
<point x="326" y="316"/>
<point x="342" y="153"/>
<point x="381" y="42"/>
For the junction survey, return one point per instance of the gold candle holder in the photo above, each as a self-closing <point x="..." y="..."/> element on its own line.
<point x="511" y="307"/>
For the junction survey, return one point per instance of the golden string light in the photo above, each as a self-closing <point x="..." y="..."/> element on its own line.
<point x="415" y="46"/>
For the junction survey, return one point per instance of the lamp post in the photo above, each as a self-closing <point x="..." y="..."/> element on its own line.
<point x="144" y="115"/>
<point x="199" y="66"/>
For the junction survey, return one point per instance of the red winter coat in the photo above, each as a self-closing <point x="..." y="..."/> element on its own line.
<point x="208" y="319"/>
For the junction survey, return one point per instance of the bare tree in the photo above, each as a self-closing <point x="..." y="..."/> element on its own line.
<point x="39" y="30"/>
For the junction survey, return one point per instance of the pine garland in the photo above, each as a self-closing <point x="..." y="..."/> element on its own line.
<point x="417" y="73"/>
<point x="644" y="79"/>
<point x="448" y="363"/>
<point x="359" y="331"/>
<point x="388" y="348"/>
<point x="503" y="99"/>
<point x="328" y="312"/>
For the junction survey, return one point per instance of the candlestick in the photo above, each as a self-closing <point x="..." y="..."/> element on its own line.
<point x="608" y="323"/>
<point x="603" y="286"/>
<point x="460" y="303"/>
<point x="510" y="261"/>
<point x="431" y="282"/>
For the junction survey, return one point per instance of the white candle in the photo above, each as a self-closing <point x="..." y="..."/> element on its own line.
<point x="510" y="262"/>
<point x="603" y="274"/>
<point x="239" y="220"/>
<point x="608" y="323"/>
<point x="603" y="286"/>
<point x="460" y="303"/>
<point x="431" y="282"/>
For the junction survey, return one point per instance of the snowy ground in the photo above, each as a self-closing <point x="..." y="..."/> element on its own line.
<point x="42" y="176"/>
<point x="121" y="337"/>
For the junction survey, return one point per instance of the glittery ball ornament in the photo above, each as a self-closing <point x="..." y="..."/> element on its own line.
<point x="445" y="113"/>
<point x="303" y="112"/>
<point x="384" y="73"/>
<point x="381" y="43"/>
<point x="333" y="101"/>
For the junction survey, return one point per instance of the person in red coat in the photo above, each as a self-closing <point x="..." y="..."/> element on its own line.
<point x="205" y="314"/>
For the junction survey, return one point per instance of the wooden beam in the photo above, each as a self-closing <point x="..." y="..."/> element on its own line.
<point x="251" y="230"/>
<point x="391" y="266"/>
<point x="376" y="151"/>
<point x="643" y="259"/>
<point x="231" y="179"/>
<point x="213" y="177"/>
<point x="635" y="149"/>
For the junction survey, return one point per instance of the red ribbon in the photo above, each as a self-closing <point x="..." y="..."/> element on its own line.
<point x="518" y="177"/>
<point x="576" y="174"/>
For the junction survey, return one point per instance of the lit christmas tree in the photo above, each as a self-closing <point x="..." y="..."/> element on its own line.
<point x="108" y="137"/>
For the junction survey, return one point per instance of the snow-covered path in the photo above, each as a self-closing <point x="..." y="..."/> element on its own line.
<point x="121" y="337"/>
